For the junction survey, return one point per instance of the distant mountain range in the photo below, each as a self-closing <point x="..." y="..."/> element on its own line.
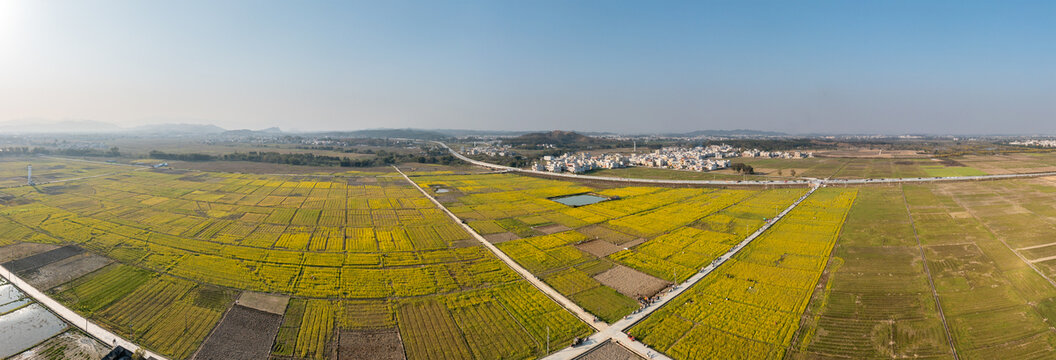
<point x="556" y="137"/>
<point x="37" y="126"/>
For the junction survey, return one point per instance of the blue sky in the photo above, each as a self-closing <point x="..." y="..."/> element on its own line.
<point x="794" y="66"/>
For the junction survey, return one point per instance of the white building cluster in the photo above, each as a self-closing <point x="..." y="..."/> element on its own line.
<point x="753" y="153"/>
<point x="694" y="159"/>
<point x="489" y="150"/>
<point x="712" y="157"/>
<point x="581" y="163"/>
<point x="1041" y="143"/>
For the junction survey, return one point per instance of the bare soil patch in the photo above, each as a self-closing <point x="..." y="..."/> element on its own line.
<point x="68" y="345"/>
<point x="960" y="215"/>
<point x="634" y="243"/>
<point x="605" y="233"/>
<point x="553" y="229"/>
<point x="275" y="304"/>
<point x="501" y="237"/>
<point x="869" y="153"/>
<point x="243" y="333"/>
<point x="26" y="264"/>
<point x="599" y="248"/>
<point x="610" y="350"/>
<point x="631" y="282"/>
<point x="21" y="250"/>
<point x="370" y="345"/>
<point x="62" y="271"/>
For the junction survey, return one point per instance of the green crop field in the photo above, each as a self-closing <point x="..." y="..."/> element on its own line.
<point x="877" y="301"/>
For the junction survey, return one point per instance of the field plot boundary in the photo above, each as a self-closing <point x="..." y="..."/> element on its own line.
<point x="549" y="291"/>
<point x="616" y="331"/>
<point x="1009" y="247"/>
<point x="73" y="318"/>
<point x="931" y="282"/>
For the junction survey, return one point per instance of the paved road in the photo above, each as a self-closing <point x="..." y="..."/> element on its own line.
<point x="803" y="182"/>
<point x="72" y="317"/>
<point x="549" y="291"/>
<point x="616" y="331"/>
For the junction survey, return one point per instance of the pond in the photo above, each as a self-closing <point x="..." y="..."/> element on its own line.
<point x="23" y="328"/>
<point x="579" y="200"/>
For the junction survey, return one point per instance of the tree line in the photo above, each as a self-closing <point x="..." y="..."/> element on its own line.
<point x="381" y="158"/>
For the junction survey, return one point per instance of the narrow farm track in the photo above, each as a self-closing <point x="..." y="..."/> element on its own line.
<point x="108" y="338"/>
<point x="804" y="182"/>
<point x="616" y="331"/>
<point x="931" y="282"/>
<point x="546" y="289"/>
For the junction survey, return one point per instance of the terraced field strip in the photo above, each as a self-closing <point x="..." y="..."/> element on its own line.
<point x="527" y="275"/>
<point x="615" y="332"/>
<point x="72" y="317"/>
<point x="931" y="282"/>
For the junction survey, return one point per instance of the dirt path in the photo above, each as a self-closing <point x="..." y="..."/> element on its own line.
<point x="549" y="291"/>
<point x="931" y="282"/>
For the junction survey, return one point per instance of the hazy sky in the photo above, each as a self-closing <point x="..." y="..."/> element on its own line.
<point x="795" y="66"/>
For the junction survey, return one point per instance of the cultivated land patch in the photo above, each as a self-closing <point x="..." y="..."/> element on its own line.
<point x="13" y="170"/>
<point x="502" y="237"/>
<point x="630" y="282"/>
<point x="634" y="218"/>
<point x="553" y="228"/>
<point x="370" y="345"/>
<point x="599" y="248"/>
<point x="21" y="250"/>
<point x="875" y="299"/>
<point x="610" y="351"/>
<point x="62" y="271"/>
<point x="71" y="344"/>
<point x="35" y="261"/>
<point x="187" y="243"/>
<point x="271" y="303"/>
<point x="995" y="302"/>
<point x="770" y="282"/>
<point x="244" y="333"/>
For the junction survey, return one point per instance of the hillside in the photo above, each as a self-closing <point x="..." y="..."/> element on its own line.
<point x="556" y="137"/>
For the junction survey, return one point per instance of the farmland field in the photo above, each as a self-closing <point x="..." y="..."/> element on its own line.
<point x="371" y="266"/>
<point x="769" y="282"/>
<point x="187" y="242"/>
<point x="13" y="170"/>
<point x="877" y="301"/>
<point x="667" y="233"/>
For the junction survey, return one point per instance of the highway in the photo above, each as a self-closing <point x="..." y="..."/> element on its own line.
<point x="803" y="182"/>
